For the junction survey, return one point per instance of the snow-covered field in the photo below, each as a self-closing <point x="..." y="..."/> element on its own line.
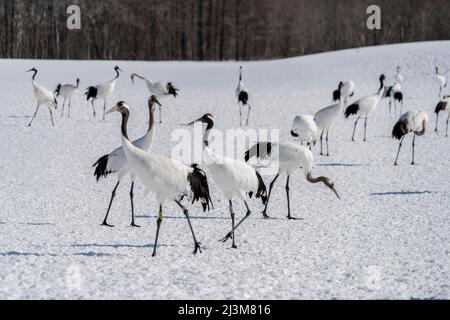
<point x="389" y="236"/>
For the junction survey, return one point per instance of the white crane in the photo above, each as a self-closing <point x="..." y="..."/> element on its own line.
<point x="234" y="177"/>
<point x="365" y="106"/>
<point x="325" y="118"/>
<point x="67" y="91"/>
<point x="160" y="89"/>
<point x="102" y="91"/>
<point x="169" y="179"/>
<point x="395" y="95"/>
<point x="441" y="81"/>
<point x="43" y="97"/>
<point x="242" y="95"/>
<point x="344" y="91"/>
<point x="412" y="121"/>
<point x="399" y="77"/>
<point x="305" y="128"/>
<point x="289" y="157"/>
<point x="115" y="163"/>
<point x="444" y="106"/>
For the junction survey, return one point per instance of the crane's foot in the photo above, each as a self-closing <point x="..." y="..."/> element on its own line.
<point x="106" y="224"/>
<point x="227" y="237"/>
<point x="293" y="218"/>
<point x="197" y="248"/>
<point x="234" y="246"/>
<point x="154" y="253"/>
<point x="413" y="163"/>
<point x="134" y="225"/>
<point x="265" y="215"/>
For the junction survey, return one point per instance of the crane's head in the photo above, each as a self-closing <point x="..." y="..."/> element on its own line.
<point x="330" y="184"/>
<point x="119" y="107"/>
<point x="341" y="85"/>
<point x="295" y="128"/>
<point x="398" y="68"/>
<point x="436" y="69"/>
<point x="382" y="77"/>
<point x="116" y="68"/>
<point x="206" y="118"/>
<point x="32" y="70"/>
<point x="153" y="100"/>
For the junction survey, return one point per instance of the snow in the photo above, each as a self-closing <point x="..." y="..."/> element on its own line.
<point x="387" y="238"/>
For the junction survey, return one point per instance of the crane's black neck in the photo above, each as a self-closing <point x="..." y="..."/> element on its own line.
<point x="35" y="73"/>
<point x="209" y="127"/>
<point x="124" y="127"/>
<point x="151" y="116"/>
<point x="117" y="74"/>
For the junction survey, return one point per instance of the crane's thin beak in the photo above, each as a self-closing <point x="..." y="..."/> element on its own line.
<point x="156" y="100"/>
<point x="335" y="192"/>
<point x="29" y="70"/>
<point x="132" y="78"/>
<point x="113" y="109"/>
<point x="194" y="122"/>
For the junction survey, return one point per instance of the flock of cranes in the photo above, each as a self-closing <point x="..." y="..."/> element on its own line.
<point x="172" y="181"/>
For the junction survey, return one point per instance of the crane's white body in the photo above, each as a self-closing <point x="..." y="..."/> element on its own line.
<point x="441" y="80"/>
<point x="368" y="104"/>
<point x="106" y="89"/>
<point x="399" y="77"/>
<point x="415" y="120"/>
<point x="290" y="157"/>
<point x="325" y="117"/>
<point x="43" y="96"/>
<point x="347" y="91"/>
<point x="305" y="128"/>
<point x="67" y="91"/>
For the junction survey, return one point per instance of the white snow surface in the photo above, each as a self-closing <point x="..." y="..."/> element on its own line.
<point x="389" y="236"/>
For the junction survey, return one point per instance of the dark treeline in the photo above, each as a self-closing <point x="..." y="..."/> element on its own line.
<point x="210" y="29"/>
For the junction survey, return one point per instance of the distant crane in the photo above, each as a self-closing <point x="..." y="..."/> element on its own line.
<point x="169" y="179"/>
<point x="365" y="106"/>
<point x="305" y="128"/>
<point x="411" y="122"/>
<point x="399" y="77"/>
<point x="242" y="95"/>
<point x="160" y="89"/>
<point x="43" y="97"/>
<point x="102" y="91"/>
<point x="441" y="81"/>
<point x="395" y="95"/>
<point x="344" y="91"/>
<point x="444" y="106"/>
<point x="67" y="91"/>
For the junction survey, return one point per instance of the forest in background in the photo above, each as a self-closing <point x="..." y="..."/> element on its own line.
<point x="210" y="29"/>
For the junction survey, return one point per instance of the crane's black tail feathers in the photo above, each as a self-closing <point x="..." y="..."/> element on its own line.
<point x="440" y="107"/>
<point x="199" y="186"/>
<point x="336" y="95"/>
<point x="243" y="97"/>
<point x="398" y="96"/>
<point x="259" y="150"/>
<point x="101" y="167"/>
<point x="400" y="129"/>
<point x="387" y="93"/>
<point x="351" y="109"/>
<point x="58" y="89"/>
<point x="172" y="90"/>
<point x="91" y="92"/>
<point x="262" y="190"/>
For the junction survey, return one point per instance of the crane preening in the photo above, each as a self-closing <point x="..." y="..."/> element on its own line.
<point x="102" y="91"/>
<point x="160" y="89"/>
<point x="43" y="97"/>
<point x="242" y="95"/>
<point x="305" y="129"/>
<point x="411" y="122"/>
<point x="443" y="106"/>
<point x="169" y="179"/>
<point x="234" y="177"/>
<point x="115" y="163"/>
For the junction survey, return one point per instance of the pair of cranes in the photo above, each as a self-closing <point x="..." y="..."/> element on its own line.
<point x="46" y="97"/>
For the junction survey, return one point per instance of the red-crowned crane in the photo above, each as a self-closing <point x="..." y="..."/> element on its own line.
<point x="102" y="91"/>
<point x="411" y="122"/>
<point x="160" y="89"/>
<point x="116" y="164"/>
<point x="440" y="80"/>
<point x="305" y="129"/>
<point x="169" y="179"/>
<point x="365" y="106"/>
<point x="43" y="97"/>
<point x="242" y="95"/>
<point x="234" y="177"/>
<point x="67" y="91"/>
<point x="444" y="106"/>
<point x="344" y="91"/>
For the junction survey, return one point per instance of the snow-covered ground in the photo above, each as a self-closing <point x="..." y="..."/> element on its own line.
<point x="388" y="237"/>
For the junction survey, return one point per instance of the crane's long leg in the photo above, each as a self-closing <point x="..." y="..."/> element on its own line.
<point x="160" y="114"/>
<point x="240" y="114"/>
<point x="365" y="129"/>
<point x="230" y="234"/>
<point x="51" y="116"/>
<point x="113" y="195"/>
<point x="398" y="152"/>
<point x="70" y="103"/>
<point x="104" y="109"/>
<point x="446" y="130"/>
<point x="321" y="143"/>
<point x="232" y="225"/>
<point x="132" y="206"/>
<point x="62" y="110"/>
<point x="390" y="106"/>
<point x="158" y="226"/>
<point x="186" y="213"/>
<point x="93" y="107"/>
<point x="35" y="113"/>
<point x="248" y="114"/>
<point x="268" y="197"/>
<point x="328" y="148"/>
<point x="354" y="129"/>
<point x="413" y="144"/>
<point x="437" y="118"/>
<point x="288" y="202"/>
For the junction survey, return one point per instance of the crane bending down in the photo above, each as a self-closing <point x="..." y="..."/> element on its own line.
<point x="289" y="157"/>
<point x="411" y="122"/>
<point x="242" y="95"/>
<point x="169" y="179"/>
<point x="43" y="97"/>
<point x="102" y="91"/>
<point x="325" y="118"/>
<point x="365" y="106"/>
<point x="395" y="95"/>
<point x="67" y="91"/>
<point x="160" y="89"/>
<point x="234" y="177"/>
<point x="305" y="128"/>
<point x="115" y="163"/>
<point x="444" y="106"/>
